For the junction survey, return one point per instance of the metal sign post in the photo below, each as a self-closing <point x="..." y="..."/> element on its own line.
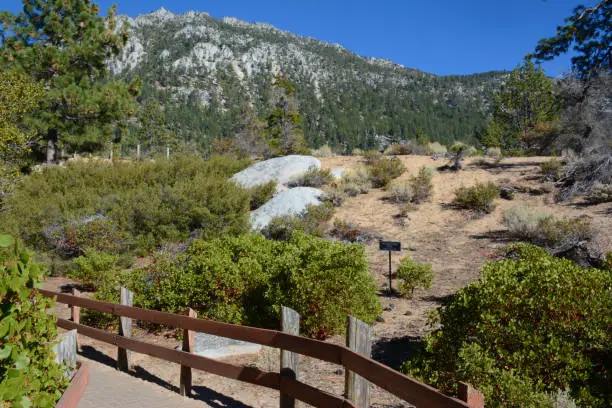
<point x="390" y="246"/>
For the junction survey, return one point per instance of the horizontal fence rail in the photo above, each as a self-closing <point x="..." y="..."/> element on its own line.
<point x="398" y="384"/>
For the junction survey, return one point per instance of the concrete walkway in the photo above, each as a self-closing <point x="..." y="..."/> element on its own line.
<point x="109" y="388"/>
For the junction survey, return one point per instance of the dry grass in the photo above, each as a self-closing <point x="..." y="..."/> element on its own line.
<point x="455" y="245"/>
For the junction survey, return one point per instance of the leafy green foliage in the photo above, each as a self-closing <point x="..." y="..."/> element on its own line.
<point x="324" y="282"/>
<point x="478" y="198"/>
<point x="66" y="45"/>
<point x="247" y="279"/>
<point x="19" y="95"/>
<point x="413" y="275"/>
<point x="532" y="324"/>
<point x="29" y="375"/>
<point x="588" y="31"/>
<point x="312" y="221"/>
<point x="385" y="169"/>
<point x="414" y="190"/>
<point x="92" y="267"/>
<point x="137" y="204"/>
<point x="261" y="194"/>
<point x="314" y="177"/>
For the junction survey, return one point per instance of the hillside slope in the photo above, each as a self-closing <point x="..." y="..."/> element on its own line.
<point x="203" y="69"/>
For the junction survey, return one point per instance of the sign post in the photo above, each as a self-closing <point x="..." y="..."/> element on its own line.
<point x="390" y="246"/>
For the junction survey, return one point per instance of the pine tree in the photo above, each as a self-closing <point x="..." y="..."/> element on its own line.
<point x="249" y="133"/>
<point x="589" y="32"/>
<point x="284" y="122"/>
<point x="154" y="134"/>
<point x="526" y="108"/>
<point x="65" y="45"/>
<point x="19" y="95"/>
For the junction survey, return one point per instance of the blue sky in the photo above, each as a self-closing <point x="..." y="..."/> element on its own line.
<point x="439" y="36"/>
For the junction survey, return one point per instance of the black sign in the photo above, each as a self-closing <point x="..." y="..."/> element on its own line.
<point x="390" y="246"/>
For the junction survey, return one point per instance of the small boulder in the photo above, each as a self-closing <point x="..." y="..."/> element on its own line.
<point x="289" y="202"/>
<point x="279" y="169"/>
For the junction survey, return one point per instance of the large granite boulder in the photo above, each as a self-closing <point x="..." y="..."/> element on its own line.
<point x="289" y="202"/>
<point x="279" y="169"/>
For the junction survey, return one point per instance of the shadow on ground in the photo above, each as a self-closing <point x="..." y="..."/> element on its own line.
<point x="499" y="236"/>
<point x="394" y="351"/>
<point x="201" y="393"/>
<point x="216" y="400"/>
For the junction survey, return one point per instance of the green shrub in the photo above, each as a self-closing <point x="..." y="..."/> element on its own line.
<point x="311" y="222"/>
<point x="91" y="267"/>
<point x="413" y="275"/>
<point x="325" y="282"/>
<point x="385" y="170"/>
<point x="405" y="148"/>
<point x="94" y="233"/>
<point x="545" y="230"/>
<point x="335" y="195"/>
<point x="422" y="185"/>
<point x="371" y="156"/>
<point x="551" y="169"/>
<point x="140" y="203"/>
<point x="29" y="375"/>
<point x="478" y="198"/>
<point x="414" y="190"/>
<point x="261" y="194"/>
<point x="247" y="279"/>
<point x="531" y="325"/>
<point x="314" y="177"/>
<point x="599" y="193"/>
<point x="356" y="181"/>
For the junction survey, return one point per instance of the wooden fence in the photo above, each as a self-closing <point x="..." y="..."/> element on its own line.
<point x="359" y="366"/>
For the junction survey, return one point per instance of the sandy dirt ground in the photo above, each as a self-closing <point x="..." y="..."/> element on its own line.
<point x="452" y="241"/>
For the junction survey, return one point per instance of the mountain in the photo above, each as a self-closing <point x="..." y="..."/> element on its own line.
<point x="202" y="69"/>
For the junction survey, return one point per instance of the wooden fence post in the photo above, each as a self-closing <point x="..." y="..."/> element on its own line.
<point x="188" y="339"/>
<point x="125" y="330"/>
<point x="75" y="313"/>
<point x="473" y="397"/>
<point x="290" y="362"/>
<point x="138" y="152"/>
<point x="358" y="339"/>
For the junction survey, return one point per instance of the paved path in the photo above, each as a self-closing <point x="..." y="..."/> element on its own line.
<point x="109" y="388"/>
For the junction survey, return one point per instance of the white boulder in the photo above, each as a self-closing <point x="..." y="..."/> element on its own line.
<point x="289" y="202"/>
<point x="279" y="169"/>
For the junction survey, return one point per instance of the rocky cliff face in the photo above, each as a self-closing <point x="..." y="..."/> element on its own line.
<point x="195" y="57"/>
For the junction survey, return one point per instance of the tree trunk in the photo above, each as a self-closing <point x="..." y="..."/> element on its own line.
<point x="51" y="146"/>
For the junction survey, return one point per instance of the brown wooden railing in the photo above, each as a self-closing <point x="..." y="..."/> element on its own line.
<point x="406" y="388"/>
